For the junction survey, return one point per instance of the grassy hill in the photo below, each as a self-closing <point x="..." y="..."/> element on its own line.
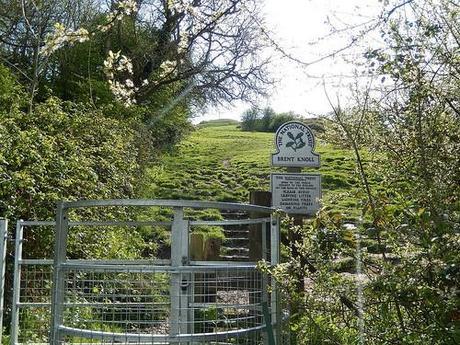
<point x="220" y="162"/>
<point x="217" y="123"/>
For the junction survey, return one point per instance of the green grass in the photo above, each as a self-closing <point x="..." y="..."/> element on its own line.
<point x="217" y="123"/>
<point x="220" y="162"/>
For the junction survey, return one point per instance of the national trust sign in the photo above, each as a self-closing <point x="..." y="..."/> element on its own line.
<point x="295" y="143"/>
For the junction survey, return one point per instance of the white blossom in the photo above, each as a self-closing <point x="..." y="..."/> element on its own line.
<point x="122" y="93"/>
<point x="182" y="46"/>
<point x="61" y="36"/>
<point x="167" y="67"/>
<point x="121" y="9"/>
<point x="198" y="18"/>
<point x="127" y="7"/>
<point x="129" y="83"/>
<point x="114" y="64"/>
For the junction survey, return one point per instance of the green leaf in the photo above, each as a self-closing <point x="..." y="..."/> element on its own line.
<point x="298" y="136"/>
<point x="289" y="144"/>
<point x="348" y="235"/>
<point x="302" y="144"/>
<point x="290" y="135"/>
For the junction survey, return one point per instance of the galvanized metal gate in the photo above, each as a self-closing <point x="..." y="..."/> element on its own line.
<point x="3" y="243"/>
<point x="162" y="301"/>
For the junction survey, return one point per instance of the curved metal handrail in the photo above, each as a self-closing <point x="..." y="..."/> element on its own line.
<point x="225" y="222"/>
<point x="168" y="203"/>
<point x="158" y="338"/>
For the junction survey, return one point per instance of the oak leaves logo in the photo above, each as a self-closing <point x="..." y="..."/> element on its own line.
<point x="297" y="141"/>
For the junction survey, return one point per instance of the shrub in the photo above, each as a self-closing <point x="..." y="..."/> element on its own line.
<point x="267" y="120"/>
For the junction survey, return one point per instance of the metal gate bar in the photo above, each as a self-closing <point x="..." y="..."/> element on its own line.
<point x="3" y="243"/>
<point x="16" y="282"/>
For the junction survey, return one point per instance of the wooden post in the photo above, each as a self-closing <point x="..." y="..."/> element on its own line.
<point x="212" y="249"/>
<point x="202" y="248"/>
<point x="205" y="284"/>
<point x="196" y="247"/>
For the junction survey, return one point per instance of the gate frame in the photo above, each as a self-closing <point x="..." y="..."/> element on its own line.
<point x="18" y="263"/>
<point x="180" y="258"/>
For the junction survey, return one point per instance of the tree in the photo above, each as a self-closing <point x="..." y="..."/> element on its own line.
<point x="404" y="248"/>
<point x="268" y="115"/>
<point x="211" y="49"/>
<point x="249" y="119"/>
<point x="24" y="26"/>
<point x="279" y="119"/>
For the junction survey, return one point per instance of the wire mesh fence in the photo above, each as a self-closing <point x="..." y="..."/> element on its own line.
<point x="133" y="304"/>
<point x="144" y="300"/>
<point x="33" y="279"/>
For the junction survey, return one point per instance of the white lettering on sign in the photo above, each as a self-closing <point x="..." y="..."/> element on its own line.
<point x="295" y="143"/>
<point x="296" y="193"/>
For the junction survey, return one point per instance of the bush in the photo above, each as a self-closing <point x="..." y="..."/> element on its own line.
<point x="249" y="119"/>
<point x="60" y="151"/>
<point x="266" y="120"/>
<point x="279" y="119"/>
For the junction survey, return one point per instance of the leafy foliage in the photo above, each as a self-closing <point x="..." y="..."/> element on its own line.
<point x="207" y="48"/>
<point x="267" y="120"/>
<point x="61" y="151"/>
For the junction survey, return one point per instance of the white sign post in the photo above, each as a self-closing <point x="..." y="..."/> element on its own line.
<point x="295" y="143"/>
<point x="296" y="193"/>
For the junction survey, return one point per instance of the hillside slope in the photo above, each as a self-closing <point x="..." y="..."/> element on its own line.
<point x="222" y="163"/>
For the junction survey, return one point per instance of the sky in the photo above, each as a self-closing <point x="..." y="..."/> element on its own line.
<point x="307" y="29"/>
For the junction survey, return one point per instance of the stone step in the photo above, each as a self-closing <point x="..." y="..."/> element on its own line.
<point x="233" y="242"/>
<point x="235" y="258"/>
<point x="236" y="251"/>
<point x="236" y="232"/>
<point x="236" y="238"/>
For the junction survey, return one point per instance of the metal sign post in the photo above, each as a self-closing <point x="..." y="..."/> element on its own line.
<point x="294" y="192"/>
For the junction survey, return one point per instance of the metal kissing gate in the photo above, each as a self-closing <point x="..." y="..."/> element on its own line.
<point x="172" y="298"/>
